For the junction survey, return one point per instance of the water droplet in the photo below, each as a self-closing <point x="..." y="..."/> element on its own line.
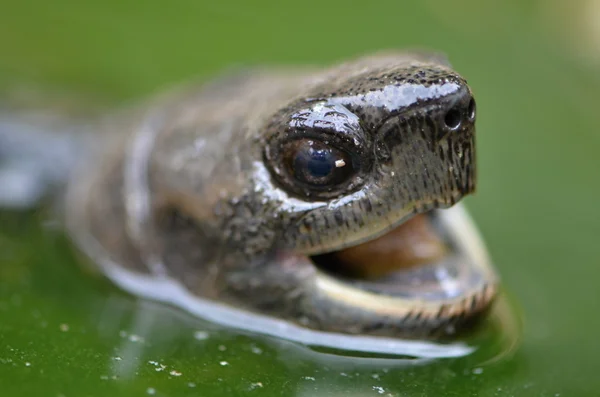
<point x="255" y="385"/>
<point x="135" y="338"/>
<point x="201" y="335"/>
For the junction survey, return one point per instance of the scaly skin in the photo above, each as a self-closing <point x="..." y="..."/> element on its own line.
<point x="196" y="185"/>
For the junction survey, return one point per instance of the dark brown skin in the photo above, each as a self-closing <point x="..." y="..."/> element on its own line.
<point x="230" y="188"/>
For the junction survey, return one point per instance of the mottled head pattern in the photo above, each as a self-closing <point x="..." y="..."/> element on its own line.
<point x="230" y="188"/>
<point x="408" y="129"/>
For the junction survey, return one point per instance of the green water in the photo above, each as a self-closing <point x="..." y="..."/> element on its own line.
<point x="66" y="333"/>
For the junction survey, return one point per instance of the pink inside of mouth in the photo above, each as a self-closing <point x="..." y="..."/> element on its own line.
<point x="413" y="243"/>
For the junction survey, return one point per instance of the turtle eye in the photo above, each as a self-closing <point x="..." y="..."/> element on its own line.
<point x="318" y="165"/>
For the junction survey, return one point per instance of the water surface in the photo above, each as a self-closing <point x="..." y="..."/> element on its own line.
<point x="65" y="332"/>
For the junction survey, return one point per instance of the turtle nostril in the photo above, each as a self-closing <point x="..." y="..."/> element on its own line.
<point x="471" y="109"/>
<point x="453" y="118"/>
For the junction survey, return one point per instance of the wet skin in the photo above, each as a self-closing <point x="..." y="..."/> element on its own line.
<point x="250" y="190"/>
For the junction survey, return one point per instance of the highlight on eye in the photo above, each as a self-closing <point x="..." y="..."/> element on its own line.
<point x="316" y="165"/>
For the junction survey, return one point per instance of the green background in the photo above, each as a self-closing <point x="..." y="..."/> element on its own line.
<point x="533" y="66"/>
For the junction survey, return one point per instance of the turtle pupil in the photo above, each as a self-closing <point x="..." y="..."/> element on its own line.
<point x="318" y="163"/>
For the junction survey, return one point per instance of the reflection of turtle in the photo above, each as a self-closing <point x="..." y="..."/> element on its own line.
<point x="313" y="196"/>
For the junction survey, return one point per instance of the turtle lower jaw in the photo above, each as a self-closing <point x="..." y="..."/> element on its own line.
<point x="442" y="276"/>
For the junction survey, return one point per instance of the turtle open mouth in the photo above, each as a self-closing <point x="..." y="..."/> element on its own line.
<point x="433" y="265"/>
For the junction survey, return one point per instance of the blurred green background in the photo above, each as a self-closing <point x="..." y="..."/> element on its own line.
<point x="534" y="68"/>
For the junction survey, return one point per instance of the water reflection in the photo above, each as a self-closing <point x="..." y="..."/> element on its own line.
<point x="151" y="339"/>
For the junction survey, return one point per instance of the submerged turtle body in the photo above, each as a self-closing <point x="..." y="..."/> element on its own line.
<point x="271" y="191"/>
